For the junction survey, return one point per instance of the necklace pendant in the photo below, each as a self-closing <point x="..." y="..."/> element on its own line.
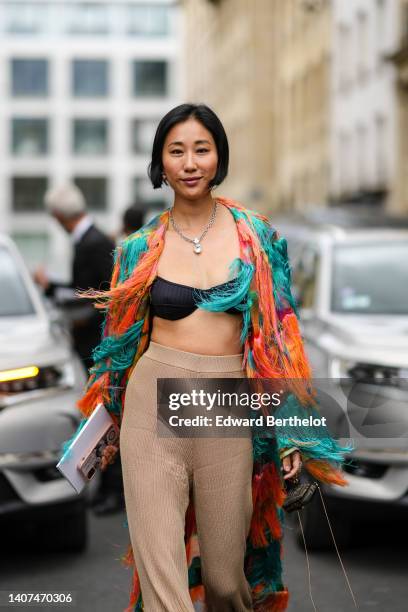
<point x="197" y="247"/>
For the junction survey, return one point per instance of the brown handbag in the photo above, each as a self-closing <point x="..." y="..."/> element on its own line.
<point x="299" y="495"/>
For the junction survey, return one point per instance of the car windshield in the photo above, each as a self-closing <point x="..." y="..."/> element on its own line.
<point x="371" y="278"/>
<point x="14" y="300"/>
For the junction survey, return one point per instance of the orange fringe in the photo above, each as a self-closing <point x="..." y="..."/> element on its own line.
<point x="267" y="494"/>
<point x="324" y="471"/>
<point x="275" y="603"/>
<point x="88" y="402"/>
<point x="197" y="593"/>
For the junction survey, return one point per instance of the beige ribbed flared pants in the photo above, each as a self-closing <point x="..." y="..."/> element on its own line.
<point x="157" y="475"/>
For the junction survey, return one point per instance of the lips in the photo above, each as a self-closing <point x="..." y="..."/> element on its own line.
<point x="191" y="182"/>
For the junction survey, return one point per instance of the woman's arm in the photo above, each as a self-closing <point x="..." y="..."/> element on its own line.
<point x="322" y="455"/>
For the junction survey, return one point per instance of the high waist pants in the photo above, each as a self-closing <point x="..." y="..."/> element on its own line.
<point x="158" y="474"/>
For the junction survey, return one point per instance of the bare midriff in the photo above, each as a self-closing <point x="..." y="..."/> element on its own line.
<point x="203" y="332"/>
<point x="207" y="333"/>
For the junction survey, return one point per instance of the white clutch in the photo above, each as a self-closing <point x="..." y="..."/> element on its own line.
<point x="82" y="459"/>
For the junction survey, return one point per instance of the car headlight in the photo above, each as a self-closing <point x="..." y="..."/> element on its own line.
<point x="35" y="378"/>
<point x="364" y="372"/>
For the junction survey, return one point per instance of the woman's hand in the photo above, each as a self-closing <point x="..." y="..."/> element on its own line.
<point x="108" y="456"/>
<point x="292" y="464"/>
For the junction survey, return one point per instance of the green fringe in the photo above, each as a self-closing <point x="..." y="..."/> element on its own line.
<point x="194" y="573"/>
<point x="139" y="605"/>
<point x="134" y="246"/>
<point x="314" y="441"/>
<point x="117" y="352"/>
<point x="265" y="567"/>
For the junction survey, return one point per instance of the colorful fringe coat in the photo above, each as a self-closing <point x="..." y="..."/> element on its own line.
<point x="272" y="348"/>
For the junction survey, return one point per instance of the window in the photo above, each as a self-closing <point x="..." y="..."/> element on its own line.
<point x="343" y="150"/>
<point x="143" y="131"/>
<point x="149" y="78"/>
<point x="381" y="150"/>
<point x="29" y="136"/>
<point x="363" y="50"/>
<point x="89" y="78"/>
<point x="90" y="136"/>
<point x="26" y="17"/>
<point x="347" y="56"/>
<point x="356" y="271"/>
<point x="352" y="162"/>
<point x="381" y="30"/>
<point x="28" y="193"/>
<point x="404" y="26"/>
<point x="148" y="20"/>
<point x="94" y="190"/>
<point x="362" y="152"/>
<point x="88" y="18"/>
<point x="29" y="77"/>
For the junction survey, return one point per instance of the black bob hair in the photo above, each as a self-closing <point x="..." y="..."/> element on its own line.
<point x="210" y="121"/>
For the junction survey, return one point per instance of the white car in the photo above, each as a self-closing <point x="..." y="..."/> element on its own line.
<point x="350" y="278"/>
<point x="40" y="381"/>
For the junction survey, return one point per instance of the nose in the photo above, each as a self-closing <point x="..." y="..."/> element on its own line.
<point x="190" y="163"/>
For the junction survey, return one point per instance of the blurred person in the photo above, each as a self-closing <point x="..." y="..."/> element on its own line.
<point x="132" y="220"/>
<point x="191" y="296"/>
<point x="91" y="267"/>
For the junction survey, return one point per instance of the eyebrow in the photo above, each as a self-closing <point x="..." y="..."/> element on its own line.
<point x="178" y="142"/>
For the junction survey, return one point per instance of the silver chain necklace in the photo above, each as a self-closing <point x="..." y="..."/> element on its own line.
<point x="195" y="241"/>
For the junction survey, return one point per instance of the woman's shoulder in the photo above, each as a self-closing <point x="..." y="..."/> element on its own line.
<point x="269" y="236"/>
<point x="241" y="211"/>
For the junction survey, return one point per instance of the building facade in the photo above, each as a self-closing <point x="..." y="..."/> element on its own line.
<point x="399" y="199"/>
<point x="363" y="121"/>
<point x="83" y="87"/>
<point x="303" y="102"/>
<point x="307" y="95"/>
<point x="230" y="65"/>
<point x="263" y="66"/>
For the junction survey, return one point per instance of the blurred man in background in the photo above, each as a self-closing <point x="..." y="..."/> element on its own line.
<point x="91" y="267"/>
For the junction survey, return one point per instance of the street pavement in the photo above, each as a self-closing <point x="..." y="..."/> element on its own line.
<point x="376" y="565"/>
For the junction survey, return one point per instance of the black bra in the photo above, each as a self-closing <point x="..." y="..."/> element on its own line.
<point x="174" y="301"/>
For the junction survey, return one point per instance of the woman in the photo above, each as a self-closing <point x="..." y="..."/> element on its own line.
<point x="203" y="291"/>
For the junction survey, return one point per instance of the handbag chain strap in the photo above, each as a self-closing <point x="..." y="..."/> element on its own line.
<point x="337" y="551"/>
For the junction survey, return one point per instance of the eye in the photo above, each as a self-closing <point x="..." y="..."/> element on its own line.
<point x="203" y="150"/>
<point x="176" y="151"/>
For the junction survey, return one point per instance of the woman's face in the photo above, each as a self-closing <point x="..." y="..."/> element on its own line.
<point x="189" y="159"/>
